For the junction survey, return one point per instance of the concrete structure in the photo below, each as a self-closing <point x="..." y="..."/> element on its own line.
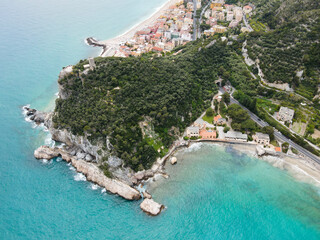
<point x="200" y="123"/>
<point x="236" y="136"/>
<point x="219" y="82"/>
<point x="207" y="13"/>
<point x="193" y="132"/>
<point x="261" y="138"/>
<point x="229" y="16"/>
<point x="285" y="114"/>
<point x="221" y="121"/>
<point x="92" y="63"/>
<point x="220" y="16"/>
<point x="209" y="32"/>
<point x="233" y="23"/>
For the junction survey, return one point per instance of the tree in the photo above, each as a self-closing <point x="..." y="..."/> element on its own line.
<point x="285" y="147"/>
<point x="269" y="130"/>
<point x="209" y="112"/>
<point x="226" y="98"/>
<point x="204" y="26"/>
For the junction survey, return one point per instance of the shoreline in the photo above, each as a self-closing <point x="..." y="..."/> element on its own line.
<point x="300" y="169"/>
<point x="114" y="43"/>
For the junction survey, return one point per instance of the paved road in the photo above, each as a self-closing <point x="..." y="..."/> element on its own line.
<point x="277" y="134"/>
<point x="194" y="35"/>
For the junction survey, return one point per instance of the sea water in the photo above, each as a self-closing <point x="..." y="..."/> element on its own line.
<point x="212" y="193"/>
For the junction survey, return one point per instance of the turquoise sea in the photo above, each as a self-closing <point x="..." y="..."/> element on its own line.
<point x="213" y="192"/>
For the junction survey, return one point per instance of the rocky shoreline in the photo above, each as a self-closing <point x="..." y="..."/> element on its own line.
<point x="85" y="159"/>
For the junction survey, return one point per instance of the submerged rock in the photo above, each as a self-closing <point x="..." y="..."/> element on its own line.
<point x="151" y="207"/>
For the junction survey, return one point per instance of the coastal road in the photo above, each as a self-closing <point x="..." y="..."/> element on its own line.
<point x="194" y="35"/>
<point x="277" y="134"/>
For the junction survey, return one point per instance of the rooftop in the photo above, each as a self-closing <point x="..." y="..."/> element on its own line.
<point x="234" y="134"/>
<point x="262" y="136"/>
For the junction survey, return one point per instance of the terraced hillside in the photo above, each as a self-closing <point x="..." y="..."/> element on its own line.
<point x="289" y="51"/>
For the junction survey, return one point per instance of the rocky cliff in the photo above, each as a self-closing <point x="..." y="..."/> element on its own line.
<point x="91" y="171"/>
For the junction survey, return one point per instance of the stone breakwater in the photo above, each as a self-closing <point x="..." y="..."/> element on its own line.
<point x="95" y="43"/>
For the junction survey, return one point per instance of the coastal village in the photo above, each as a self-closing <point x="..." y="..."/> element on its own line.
<point x="225" y="121"/>
<point x="175" y="26"/>
<point x="216" y="125"/>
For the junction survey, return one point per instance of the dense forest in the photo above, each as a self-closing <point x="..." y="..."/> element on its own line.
<point x="168" y="92"/>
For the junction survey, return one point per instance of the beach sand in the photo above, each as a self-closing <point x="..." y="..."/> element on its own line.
<point x="302" y="169"/>
<point x="114" y="42"/>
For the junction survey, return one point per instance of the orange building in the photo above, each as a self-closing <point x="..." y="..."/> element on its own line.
<point x="216" y="118"/>
<point x="207" y="134"/>
<point x="278" y="149"/>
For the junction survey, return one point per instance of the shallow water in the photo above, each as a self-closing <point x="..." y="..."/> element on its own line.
<point x="210" y="194"/>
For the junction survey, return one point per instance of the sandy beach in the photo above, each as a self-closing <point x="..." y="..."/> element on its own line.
<point x="304" y="170"/>
<point x="114" y="42"/>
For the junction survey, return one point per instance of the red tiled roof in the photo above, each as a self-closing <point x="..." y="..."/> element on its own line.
<point x="157" y="49"/>
<point x="216" y="118"/>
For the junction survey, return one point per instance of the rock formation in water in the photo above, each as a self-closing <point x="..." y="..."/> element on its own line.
<point x="91" y="171"/>
<point x="151" y="207"/>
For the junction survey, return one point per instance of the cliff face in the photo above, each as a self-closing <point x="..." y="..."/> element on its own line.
<point x="80" y="147"/>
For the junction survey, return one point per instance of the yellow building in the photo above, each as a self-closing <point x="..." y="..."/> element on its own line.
<point x="217" y="3"/>
<point x="219" y="29"/>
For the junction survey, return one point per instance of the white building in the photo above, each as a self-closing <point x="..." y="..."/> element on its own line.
<point x="236" y="136"/>
<point x="193" y="132"/>
<point x="92" y="63"/>
<point x="285" y="114"/>
<point x="198" y="4"/>
<point x="229" y="16"/>
<point x="207" y="13"/>
<point x="261" y="138"/>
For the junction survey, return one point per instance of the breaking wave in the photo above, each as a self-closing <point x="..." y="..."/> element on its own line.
<point x="80" y="177"/>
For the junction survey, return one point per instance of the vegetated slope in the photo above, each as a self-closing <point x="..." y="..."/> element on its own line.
<point x="291" y="45"/>
<point x="169" y="91"/>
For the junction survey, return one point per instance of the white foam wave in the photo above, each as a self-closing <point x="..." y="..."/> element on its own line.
<point x="46" y="161"/>
<point x="194" y="147"/>
<point x="94" y="186"/>
<point x="27" y="119"/>
<point x="71" y="167"/>
<point x="80" y="177"/>
<point x="24" y="109"/>
<point x="294" y="169"/>
<point x="103" y="190"/>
